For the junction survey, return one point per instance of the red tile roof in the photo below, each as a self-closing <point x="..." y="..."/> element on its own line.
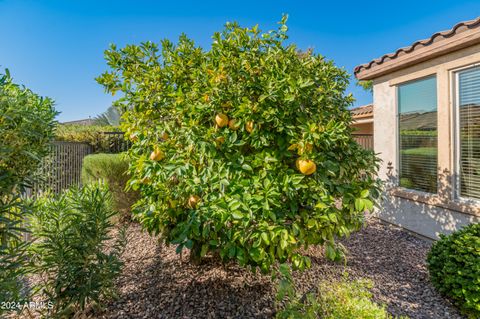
<point x="362" y="111"/>
<point x="451" y="34"/>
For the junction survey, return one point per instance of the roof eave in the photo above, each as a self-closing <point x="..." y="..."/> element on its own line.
<point x="418" y="53"/>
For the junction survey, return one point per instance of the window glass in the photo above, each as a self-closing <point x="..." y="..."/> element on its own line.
<point x="469" y="132"/>
<point x="417" y="108"/>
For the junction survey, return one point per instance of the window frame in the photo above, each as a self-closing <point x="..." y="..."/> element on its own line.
<point x="456" y="135"/>
<point x="398" y="135"/>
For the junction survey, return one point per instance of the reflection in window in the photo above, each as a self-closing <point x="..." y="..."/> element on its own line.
<point x="417" y="108"/>
<point x="469" y="130"/>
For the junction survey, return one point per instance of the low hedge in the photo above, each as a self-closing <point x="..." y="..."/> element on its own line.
<point x="454" y="266"/>
<point x="113" y="169"/>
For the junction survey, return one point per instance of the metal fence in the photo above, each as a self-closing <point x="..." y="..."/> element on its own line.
<point x="365" y="140"/>
<point x="112" y="142"/>
<point x="62" y="168"/>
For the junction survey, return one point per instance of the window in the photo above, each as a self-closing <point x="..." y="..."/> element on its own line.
<point x="468" y="133"/>
<point x="417" y="109"/>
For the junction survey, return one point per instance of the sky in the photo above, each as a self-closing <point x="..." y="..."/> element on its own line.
<point x="56" y="47"/>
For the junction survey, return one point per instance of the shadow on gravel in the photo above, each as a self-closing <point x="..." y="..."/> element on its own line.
<point x="167" y="286"/>
<point x="158" y="283"/>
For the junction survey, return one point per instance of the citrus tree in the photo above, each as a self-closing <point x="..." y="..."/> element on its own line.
<point x="244" y="149"/>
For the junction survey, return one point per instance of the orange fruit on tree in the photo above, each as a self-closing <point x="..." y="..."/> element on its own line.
<point x="157" y="155"/>
<point x="296" y="163"/>
<point x="249" y="126"/>
<point x="221" y="120"/>
<point x="193" y="201"/>
<point x="306" y="166"/>
<point x="232" y="124"/>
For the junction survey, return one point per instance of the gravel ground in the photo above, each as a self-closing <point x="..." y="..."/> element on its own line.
<point x="158" y="283"/>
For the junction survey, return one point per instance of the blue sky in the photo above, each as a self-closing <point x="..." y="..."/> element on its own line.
<point x="56" y="47"/>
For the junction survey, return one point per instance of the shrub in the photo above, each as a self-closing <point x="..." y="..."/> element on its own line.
<point x="332" y="299"/>
<point x="92" y="135"/>
<point x="216" y="138"/>
<point x="71" y="252"/>
<point x="454" y="266"/>
<point x="113" y="169"/>
<point x="26" y="128"/>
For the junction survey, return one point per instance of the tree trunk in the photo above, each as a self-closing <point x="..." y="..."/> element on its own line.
<point x="195" y="257"/>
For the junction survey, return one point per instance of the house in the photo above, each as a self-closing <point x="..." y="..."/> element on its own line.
<point x="363" y="119"/>
<point x="363" y="125"/>
<point x="426" y="104"/>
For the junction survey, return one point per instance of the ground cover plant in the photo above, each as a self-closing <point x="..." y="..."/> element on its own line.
<point x="332" y="299"/>
<point x="243" y="150"/>
<point x="26" y="127"/>
<point x="72" y="233"/>
<point x="454" y="266"/>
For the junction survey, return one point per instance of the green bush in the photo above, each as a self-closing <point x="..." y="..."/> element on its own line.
<point x="90" y="134"/>
<point x="216" y="138"/>
<point x="454" y="266"/>
<point x="113" y="169"/>
<point x="332" y="299"/>
<point x="73" y="251"/>
<point x="26" y="129"/>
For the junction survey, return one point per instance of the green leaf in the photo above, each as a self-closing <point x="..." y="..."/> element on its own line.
<point x="247" y="167"/>
<point x="365" y="193"/>
<point x="237" y="215"/>
<point x="265" y="238"/>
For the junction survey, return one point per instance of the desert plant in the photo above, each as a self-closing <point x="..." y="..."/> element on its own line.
<point x="26" y="128"/>
<point x="454" y="266"/>
<point x="333" y="299"/>
<point x="216" y="138"/>
<point x="112" y="169"/>
<point x="73" y="252"/>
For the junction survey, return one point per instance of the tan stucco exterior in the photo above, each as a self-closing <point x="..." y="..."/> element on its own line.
<point x="428" y="215"/>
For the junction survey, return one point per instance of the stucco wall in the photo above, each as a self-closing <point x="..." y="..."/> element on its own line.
<point x="421" y="217"/>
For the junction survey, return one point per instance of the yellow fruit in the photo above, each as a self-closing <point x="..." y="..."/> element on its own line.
<point x="193" y="201"/>
<point x="249" y="126"/>
<point x="307" y="167"/>
<point x="296" y="163"/>
<point x="221" y="120"/>
<point x="232" y="125"/>
<point x="165" y="136"/>
<point x="157" y="155"/>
